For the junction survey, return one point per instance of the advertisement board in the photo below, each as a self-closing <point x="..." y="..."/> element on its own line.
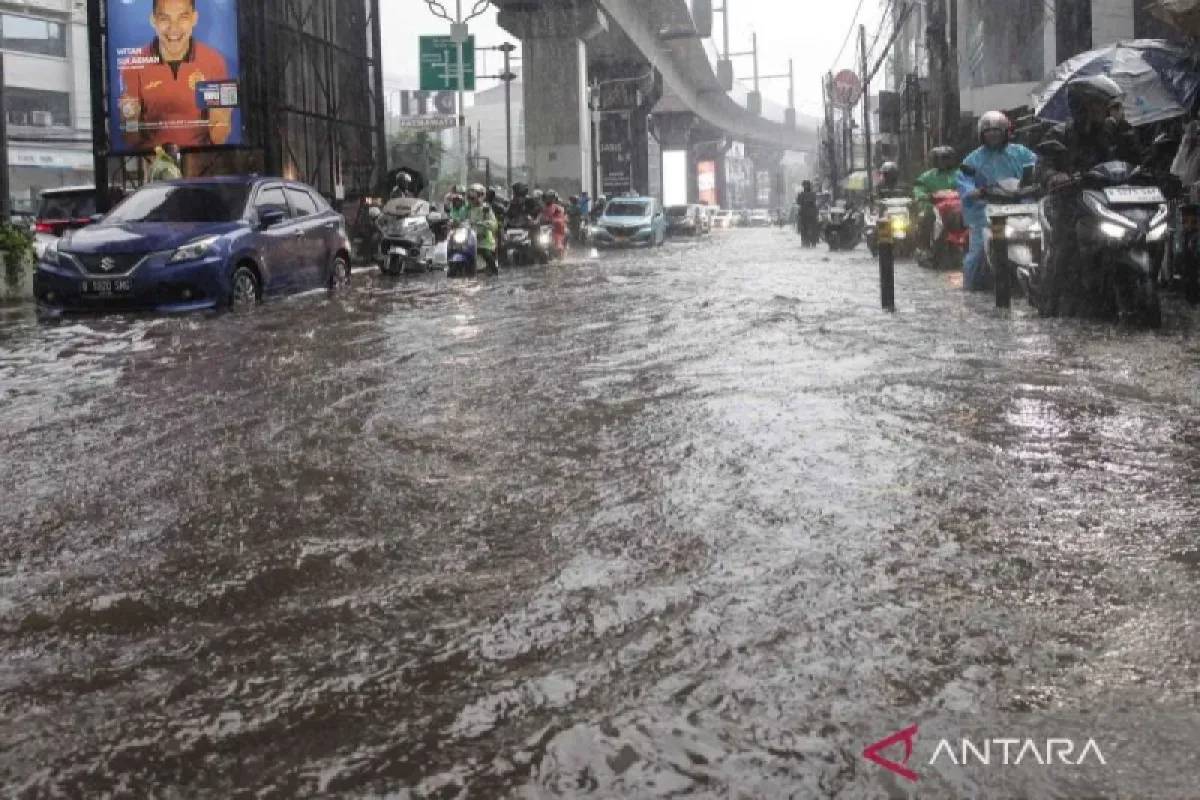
<point x="616" y="157"/>
<point x="675" y="177"/>
<point x="707" y="180"/>
<point x="174" y="74"/>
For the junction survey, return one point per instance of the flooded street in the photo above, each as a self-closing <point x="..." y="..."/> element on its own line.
<point x="697" y="521"/>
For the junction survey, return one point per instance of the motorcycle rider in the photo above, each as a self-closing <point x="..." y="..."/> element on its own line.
<point x="598" y="208"/>
<point x="1093" y="136"/>
<point x="997" y="158"/>
<point x="518" y="207"/>
<point x="943" y="177"/>
<point x="889" y="185"/>
<point x="809" y="214"/>
<point x="554" y="215"/>
<point x="403" y="186"/>
<point x="575" y="218"/>
<point x="492" y="198"/>
<point x="483" y="220"/>
<point x="456" y="206"/>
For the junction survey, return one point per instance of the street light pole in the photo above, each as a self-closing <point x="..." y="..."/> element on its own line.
<point x="459" y="39"/>
<point x="507" y="48"/>
<point x="754" y="49"/>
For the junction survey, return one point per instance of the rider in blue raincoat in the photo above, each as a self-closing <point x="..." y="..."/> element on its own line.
<point x="994" y="160"/>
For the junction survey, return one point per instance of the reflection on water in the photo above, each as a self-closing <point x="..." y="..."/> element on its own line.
<point x="676" y="522"/>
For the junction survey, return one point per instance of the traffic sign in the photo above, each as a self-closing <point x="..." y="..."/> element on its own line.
<point x="846" y="88"/>
<point x="439" y="64"/>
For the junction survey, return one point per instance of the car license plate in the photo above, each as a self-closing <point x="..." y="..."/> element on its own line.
<point x="107" y="287"/>
<point x="1134" y="195"/>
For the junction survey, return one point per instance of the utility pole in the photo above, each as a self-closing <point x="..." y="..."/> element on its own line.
<point x="95" y="15"/>
<point x="829" y="134"/>
<point x="866" y="92"/>
<point x="507" y="48"/>
<point x="5" y="199"/>
<point x="953" y="108"/>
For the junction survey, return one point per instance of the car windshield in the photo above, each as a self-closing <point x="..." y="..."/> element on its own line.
<point x="677" y="212"/>
<point x="625" y="209"/>
<point x="77" y="205"/>
<point x="213" y="202"/>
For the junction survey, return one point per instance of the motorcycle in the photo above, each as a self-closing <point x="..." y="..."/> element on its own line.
<point x="544" y="247"/>
<point x="843" y="228"/>
<point x="1018" y="205"/>
<point x="407" y="237"/>
<point x="462" y="250"/>
<point x="894" y="211"/>
<point x="1123" y="217"/>
<point x="950" y="234"/>
<point x="580" y="229"/>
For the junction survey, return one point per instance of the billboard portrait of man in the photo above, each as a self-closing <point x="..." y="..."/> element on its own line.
<point x="177" y="88"/>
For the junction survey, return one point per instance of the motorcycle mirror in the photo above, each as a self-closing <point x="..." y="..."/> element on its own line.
<point x="435" y="218"/>
<point x="1051" y="148"/>
<point x="968" y="170"/>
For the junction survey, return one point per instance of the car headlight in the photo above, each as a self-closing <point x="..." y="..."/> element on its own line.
<point x="50" y="254"/>
<point x="194" y="250"/>
<point x="1112" y="230"/>
<point x="460" y="236"/>
<point x="1157" y="233"/>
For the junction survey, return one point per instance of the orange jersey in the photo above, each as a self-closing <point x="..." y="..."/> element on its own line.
<point x="159" y="102"/>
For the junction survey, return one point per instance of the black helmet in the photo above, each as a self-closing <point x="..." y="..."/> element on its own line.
<point x="520" y="190"/>
<point x="943" y="157"/>
<point x="1098" y="89"/>
<point x="889" y="168"/>
<point x="550" y="196"/>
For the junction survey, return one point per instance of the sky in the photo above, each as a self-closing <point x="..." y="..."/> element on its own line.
<point x="808" y="31"/>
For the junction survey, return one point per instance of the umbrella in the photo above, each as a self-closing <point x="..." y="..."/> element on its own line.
<point x="1161" y="80"/>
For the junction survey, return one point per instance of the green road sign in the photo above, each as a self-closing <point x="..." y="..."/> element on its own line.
<point x="439" y="64"/>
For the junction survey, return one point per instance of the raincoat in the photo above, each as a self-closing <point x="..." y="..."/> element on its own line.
<point x="164" y="167"/>
<point x="932" y="182"/>
<point x="483" y="219"/>
<point x="991" y="167"/>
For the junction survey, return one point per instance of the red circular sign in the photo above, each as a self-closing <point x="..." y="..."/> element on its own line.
<point x="846" y="87"/>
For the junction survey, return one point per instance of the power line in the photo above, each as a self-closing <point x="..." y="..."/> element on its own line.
<point x="846" y="41"/>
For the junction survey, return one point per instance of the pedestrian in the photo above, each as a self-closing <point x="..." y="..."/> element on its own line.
<point x="165" y="166"/>
<point x="809" y="214"/>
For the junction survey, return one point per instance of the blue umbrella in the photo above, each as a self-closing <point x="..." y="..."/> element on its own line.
<point x="1161" y="80"/>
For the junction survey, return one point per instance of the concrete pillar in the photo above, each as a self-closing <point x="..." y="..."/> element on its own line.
<point x="1112" y="20"/>
<point x="558" y="120"/>
<point x="624" y="97"/>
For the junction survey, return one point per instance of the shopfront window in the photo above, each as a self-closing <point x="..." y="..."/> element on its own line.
<point x="36" y="107"/>
<point x="29" y="35"/>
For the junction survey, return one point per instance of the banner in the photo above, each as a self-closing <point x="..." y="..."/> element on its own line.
<point x="173" y="68"/>
<point x="707" y="181"/>
<point x="616" y="158"/>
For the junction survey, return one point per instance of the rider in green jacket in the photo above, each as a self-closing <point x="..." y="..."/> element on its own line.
<point x="942" y="178"/>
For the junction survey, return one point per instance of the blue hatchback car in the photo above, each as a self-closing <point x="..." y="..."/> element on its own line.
<point x="199" y="243"/>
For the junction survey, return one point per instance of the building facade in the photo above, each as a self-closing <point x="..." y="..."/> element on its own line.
<point x="47" y="96"/>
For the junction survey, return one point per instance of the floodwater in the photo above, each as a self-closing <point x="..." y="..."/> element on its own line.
<point x="685" y="522"/>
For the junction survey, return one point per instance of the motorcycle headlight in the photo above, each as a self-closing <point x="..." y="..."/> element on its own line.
<point x="899" y="224"/>
<point x="1113" y="230"/>
<point x="194" y="250"/>
<point x="460" y="236"/>
<point x="1022" y="228"/>
<point x="544" y="240"/>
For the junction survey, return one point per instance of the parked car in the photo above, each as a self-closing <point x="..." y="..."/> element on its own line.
<point x="61" y="210"/>
<point x="685" y="220"/>
<point x="631" y="221"/>
<point x="198" y="243"/>
<point x="723" y="218"/>
<point x="759" y="218"/>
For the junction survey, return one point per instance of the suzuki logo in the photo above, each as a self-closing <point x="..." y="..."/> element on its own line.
<point x="872" y="753"/>
<point x="108" y="264"/>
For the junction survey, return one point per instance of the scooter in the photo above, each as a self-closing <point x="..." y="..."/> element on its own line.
<point x="1122" y="219"/>
<point x="408" y="241"/>
<point x="950" y="233"/>
<point x="843" y="229"/>
<point x="1017" y="204"/>
<point x="461" y="251"/>
<point x="516" y="247"/>
<point x="894" y="211"/>
<point x="544" y="248"/>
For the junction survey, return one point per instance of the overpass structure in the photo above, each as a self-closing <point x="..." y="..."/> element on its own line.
<point x="610" y="84"/>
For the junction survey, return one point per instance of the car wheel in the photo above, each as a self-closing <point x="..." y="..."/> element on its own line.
<point x="245" y="289"/>
<point x="339" y="274"/>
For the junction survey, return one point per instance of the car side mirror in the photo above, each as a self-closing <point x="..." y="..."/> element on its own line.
<point x="269" y="219"/>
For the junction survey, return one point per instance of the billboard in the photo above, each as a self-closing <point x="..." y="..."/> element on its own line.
<point x="675" y="177"/>
<point x="707" y="180"/>
<point x="173" y="71"/>
<point x="616" y="156"/>
<point x="425" y="111"/>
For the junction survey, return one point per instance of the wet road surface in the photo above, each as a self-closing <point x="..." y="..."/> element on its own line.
<point x="662" y="524"/>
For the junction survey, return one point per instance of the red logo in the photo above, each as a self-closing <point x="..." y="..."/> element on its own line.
<point x="873" y="753"/>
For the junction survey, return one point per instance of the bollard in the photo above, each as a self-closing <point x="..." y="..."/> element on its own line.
<point x="887" y="264"/>
<point x="1001" y="269"/>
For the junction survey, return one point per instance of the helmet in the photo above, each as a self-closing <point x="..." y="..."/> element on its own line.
<point x="537" y="194"/>
<point x="550" y="196"/>
<point x="995" y="121"/>
<point x="477" y="189"/>
<point x="403" y="186"/>
<point x="889" y="168"/>
<point x="1099" y="89"/>
<point x="942" y="157"/>
<point x="520" y="189"/>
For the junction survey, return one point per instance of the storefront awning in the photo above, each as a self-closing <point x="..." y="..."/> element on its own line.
<point x="50" y="159"/>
